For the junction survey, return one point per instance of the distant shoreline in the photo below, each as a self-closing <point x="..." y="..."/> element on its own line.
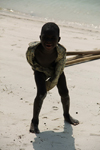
<point x="19" y="15"/>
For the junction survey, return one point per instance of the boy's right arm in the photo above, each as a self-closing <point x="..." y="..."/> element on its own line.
<point x="30" y="56"/>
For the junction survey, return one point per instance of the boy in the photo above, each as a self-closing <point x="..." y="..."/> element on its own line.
<point x="47" y="58"/>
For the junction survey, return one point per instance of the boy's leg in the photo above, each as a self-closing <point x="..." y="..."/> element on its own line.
<point x="65" y="99"/>
<point x="41" y="94"/>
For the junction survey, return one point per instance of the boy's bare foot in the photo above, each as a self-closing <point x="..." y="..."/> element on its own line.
<point x="34" y="128"/>
<point x="71" y="120"/>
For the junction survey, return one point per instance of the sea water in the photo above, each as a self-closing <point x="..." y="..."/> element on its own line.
<point x="80" y="12"/>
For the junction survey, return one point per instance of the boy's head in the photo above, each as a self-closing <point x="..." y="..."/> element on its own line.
<point x="50" y="35"/>
<point x="50" y="26"/>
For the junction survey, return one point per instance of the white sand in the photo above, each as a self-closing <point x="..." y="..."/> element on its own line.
<point x="17" y="91"/>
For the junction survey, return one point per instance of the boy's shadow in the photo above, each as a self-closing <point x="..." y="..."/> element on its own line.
<point x="50" y="140"/>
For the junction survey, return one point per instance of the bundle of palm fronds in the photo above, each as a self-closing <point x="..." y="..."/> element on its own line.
<point x="81" y="56"/>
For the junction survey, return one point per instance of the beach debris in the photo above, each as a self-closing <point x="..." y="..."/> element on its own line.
<point x="55" y="119"/>
<point x="55" y="108"/>
<point x="44" y="117"/>
<point x="55" y="129"/>
<point x="93" y="134"/>
<point x="19" y="136"/>
<point x="13" y="44"/>
<point x="98" y="103"/>
<point x="81" y="57"/>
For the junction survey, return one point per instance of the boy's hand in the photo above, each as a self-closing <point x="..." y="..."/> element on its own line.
<point x="52" y="79"/>
<point x="51" y="83"/>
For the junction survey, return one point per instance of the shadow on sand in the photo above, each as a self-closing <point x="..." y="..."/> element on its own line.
<point x="50" y="140"/>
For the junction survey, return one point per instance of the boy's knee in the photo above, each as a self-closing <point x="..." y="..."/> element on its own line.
<point x="65" y="97"/>
<point x="64" y="93"/>
<point x="42" y="96"/>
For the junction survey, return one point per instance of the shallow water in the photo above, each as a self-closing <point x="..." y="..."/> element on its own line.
<point x="82" y="12"/>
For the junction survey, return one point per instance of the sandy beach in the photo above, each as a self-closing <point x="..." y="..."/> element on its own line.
<point x="17" y="91"/>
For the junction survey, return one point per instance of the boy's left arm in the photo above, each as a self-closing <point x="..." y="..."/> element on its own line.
<point x="58" y="71"/>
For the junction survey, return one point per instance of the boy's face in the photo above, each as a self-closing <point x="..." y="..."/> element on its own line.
<point x="49" y="40"/>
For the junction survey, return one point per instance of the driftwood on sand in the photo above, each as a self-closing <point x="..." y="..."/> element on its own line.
<point x="81" y="57"/>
